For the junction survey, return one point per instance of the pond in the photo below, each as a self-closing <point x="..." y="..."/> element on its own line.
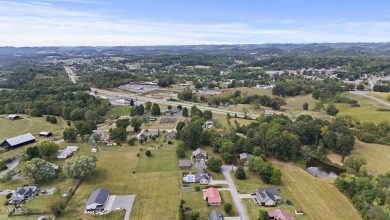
<point x="318" y="168"/>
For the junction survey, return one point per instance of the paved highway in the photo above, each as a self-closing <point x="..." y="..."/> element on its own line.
<point x="108" y="93"/>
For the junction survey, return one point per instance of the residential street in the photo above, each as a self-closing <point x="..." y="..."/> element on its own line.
<point x="236" y="197"/>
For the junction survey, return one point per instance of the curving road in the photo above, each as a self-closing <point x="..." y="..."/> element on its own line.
<point x="367" y="96"/>
<point x="165" y="102"/>
<point x="233" y="190"/>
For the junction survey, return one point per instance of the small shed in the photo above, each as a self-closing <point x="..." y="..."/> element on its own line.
<point x="13" y="117"/>
<point x="45" y="134"/>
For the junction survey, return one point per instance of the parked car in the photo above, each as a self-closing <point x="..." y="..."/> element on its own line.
<point x="289" y="202"/>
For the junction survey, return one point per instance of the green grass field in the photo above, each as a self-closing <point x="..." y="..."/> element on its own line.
<point x="378" y="156"/>
<point x="318" y="198"/>
<point x="157" y="193"/>
<point x="162" y="160"/>
<point x="379" y="95"/>
<point x="366" y="111"/>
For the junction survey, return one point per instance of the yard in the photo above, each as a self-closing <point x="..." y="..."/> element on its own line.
<point x="195" y="201"/>
<point x="157" y="193"/>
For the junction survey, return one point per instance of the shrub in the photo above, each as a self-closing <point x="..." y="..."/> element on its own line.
<point x="148" y="153"/>
<point x="197" y="188"/>
<point x="8" y="196"/>
<point x="227" y="207"/>
<point x="131" y="142"/>
<point x="170" y="142"/>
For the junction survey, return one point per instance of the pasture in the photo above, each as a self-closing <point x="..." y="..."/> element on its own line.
<point x="377" y="155"/>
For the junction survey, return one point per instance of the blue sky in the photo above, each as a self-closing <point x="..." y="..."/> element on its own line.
<point x="174" y="22"/>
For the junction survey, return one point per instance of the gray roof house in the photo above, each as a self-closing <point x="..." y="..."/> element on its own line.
<point x="215" y="215"/>
<point x="168" y="120"/>
<point x="203" y="176"/>
<point x="97" y="201"/>
<point x="18" y="140"/>
<point x="268" y="196"/>
<point x="23" y="193"/>
<point x="147" y="133"/>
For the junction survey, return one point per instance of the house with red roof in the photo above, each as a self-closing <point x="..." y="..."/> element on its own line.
<point x="279" y="214"/>
<point x="212" y="196"/>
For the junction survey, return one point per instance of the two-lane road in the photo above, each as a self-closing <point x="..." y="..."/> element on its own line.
<point x="233" y="190"/>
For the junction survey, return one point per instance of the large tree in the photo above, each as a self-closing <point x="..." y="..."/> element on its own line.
<point x="136" y="123"/>
<point x="48" y="149"/>
<point x="79" y="166"/>
<point x="118" y="134"/>
<point x="38" y="170"/>
<point x="156" y="109"/>
<point x="190" y="134"/>
<point x="70" y="134"/>
<point x="214" y="164"/>
<point x="122" y="123"/>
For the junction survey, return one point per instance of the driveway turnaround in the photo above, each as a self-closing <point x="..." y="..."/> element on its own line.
<point x="236" y="197"/>
<point x="121" y="202"/>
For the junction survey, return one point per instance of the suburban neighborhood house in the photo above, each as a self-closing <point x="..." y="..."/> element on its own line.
<point x="147" y="133"/>
<point x="97" y="201"/>
<point x="168" y="120"/>
<point x="212" y="196"/>
<point x="18" y="141"/>
<point x="23" y="193"/>
<point x="268" y="196"/>
<point x="215" y="215"/>
<point x="202" y="177"/>
<point x="170" y="134"/>
<point x="279" y="214"/>
<point x="68" y="152"/>
<point x="184" y="164"/>
<point x="199" y="155"/>
<point x="244" y="157"/>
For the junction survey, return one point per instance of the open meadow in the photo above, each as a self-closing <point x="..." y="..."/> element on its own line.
<point x="377" y="155"/>
<point x="318" y="198"/>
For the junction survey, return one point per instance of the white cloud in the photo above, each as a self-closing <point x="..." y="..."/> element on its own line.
<point x="32" y="24"/>
<point x="42" y="3"/>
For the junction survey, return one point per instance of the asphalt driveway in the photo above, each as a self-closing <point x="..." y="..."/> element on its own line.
<point x="121" y="202"/>
<point x="233" y="190"/>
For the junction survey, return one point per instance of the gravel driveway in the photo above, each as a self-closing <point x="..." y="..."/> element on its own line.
<point x="236" y="197"/>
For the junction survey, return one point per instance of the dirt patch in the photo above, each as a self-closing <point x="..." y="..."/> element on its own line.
<point x="335" y="158"/>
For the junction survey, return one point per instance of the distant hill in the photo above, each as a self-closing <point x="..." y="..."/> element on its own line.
<point x="325" y="49"/>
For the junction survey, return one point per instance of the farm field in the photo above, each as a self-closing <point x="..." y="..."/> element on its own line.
<point x="377" y="156"/>
<point x="33" y="125"/>
<point x="302" y="188"/>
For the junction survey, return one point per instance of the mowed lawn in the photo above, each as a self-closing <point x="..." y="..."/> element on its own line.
<point x="377" y="155"/>
<point x="162" y="160"/>
<point x="157" y="193"/>
<point x="319" y="199"/>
